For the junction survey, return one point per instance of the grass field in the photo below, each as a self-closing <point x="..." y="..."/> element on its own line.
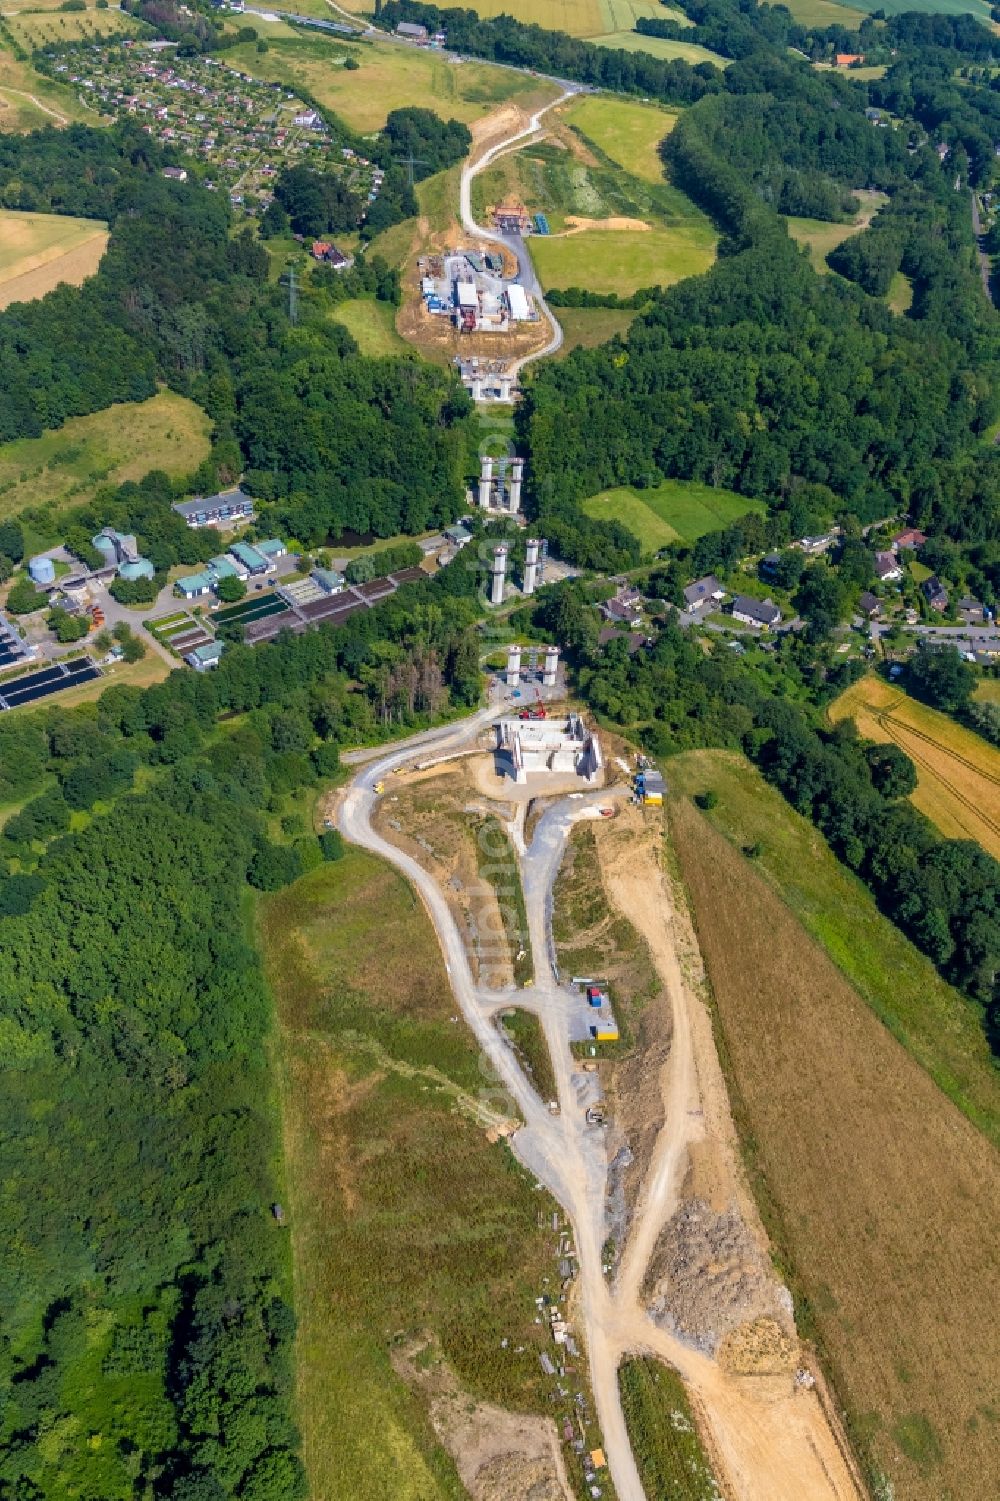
<point x="879" y="1196"/>
<point x="624" y="260"/>
<point x="825" y="13"/>
<point x="525" y="1032"/>
<point x="583" y="18"/>
<point x="900" y="294"/>
<point x="46" y="28"/>
<point x="936" y="1024"/>
<point x="38" y="251"/>
<point x="626" y="130"/>
<point x="663" y="47"/>
<point x="665" y="1442"/>
<point x="125" y="442"/>
<point x="821" y="237"/>
<point x="404" y="1218"/>
<point x="389" y="77"/>
<point x="586" y="327"/>
<point x="373" y="325"/>
<point x="28" y="101"/>
<point x="978" y="8"/>
<point x="675" y="511"/>
<point x="958" y="773"/>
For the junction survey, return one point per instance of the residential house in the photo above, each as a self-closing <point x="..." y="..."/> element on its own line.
<point x="869" y="605"/>
<point x="458" y="535"/>
<point x="412" y="32"/>
<point x="847" y="59"/>
<point x="635" y="639"/>
<point x="703" y="592"/>
<point x="971" y="611"/>
<point x="176" y="174"/>
<point x="814" y="547"/>
<point x="935" y="593"/>
<point x="759" y="613"/>
<point x="909" y="539"/>
<point x="325" y="251"/>
<point x="887" y="568"/>
<point x="620" y="610"/>
<point x="769" y="565"/>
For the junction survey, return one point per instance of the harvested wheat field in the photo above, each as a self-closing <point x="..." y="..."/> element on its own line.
<point x="38" y="251"/>
<point x="958" y="773"/>
<point x="880" y="1197"/>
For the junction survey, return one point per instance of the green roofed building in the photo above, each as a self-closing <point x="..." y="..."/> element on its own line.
<point x="272" y="549"/>
<point x="223" y="568"/>
<point x="193" y="584"/>
<point x="138" y="568"/>
<point x="253" y="561"/>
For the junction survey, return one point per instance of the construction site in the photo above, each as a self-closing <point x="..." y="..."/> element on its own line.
<point x="495" y="824"/>
<point x="470" y="289"/>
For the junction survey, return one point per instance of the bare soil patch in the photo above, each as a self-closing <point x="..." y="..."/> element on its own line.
<point x="499" y="1454"/>
<point x="880" y="1197"/>
<point x="577" y="224"/>
<point x="433" y="816"/>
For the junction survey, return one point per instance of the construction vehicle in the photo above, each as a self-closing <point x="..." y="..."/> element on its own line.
<point x="536" y="711"/>
<point x="379" y="788"/>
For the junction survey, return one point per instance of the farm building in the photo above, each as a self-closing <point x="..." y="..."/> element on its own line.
<point x="230" y="505"/>
<point x="412" y="32"/>
<point x="760" y="613"/>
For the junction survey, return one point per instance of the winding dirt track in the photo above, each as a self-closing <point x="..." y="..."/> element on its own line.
<point x="770" y="1441"/>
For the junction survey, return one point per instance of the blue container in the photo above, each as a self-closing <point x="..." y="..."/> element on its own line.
<point x="42" y="570"/>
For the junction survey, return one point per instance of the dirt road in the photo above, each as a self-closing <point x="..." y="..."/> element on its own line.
<point x="514" y="243"/>
<point x="769" y="1438"/>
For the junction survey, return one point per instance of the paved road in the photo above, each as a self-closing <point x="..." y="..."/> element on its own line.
<point x="514" y="243"/>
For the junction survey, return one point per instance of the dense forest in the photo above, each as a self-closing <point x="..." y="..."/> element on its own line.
<point x="382" y="445"/>
<point x="147" y="1331"/>
<point x="763" y="376"/>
